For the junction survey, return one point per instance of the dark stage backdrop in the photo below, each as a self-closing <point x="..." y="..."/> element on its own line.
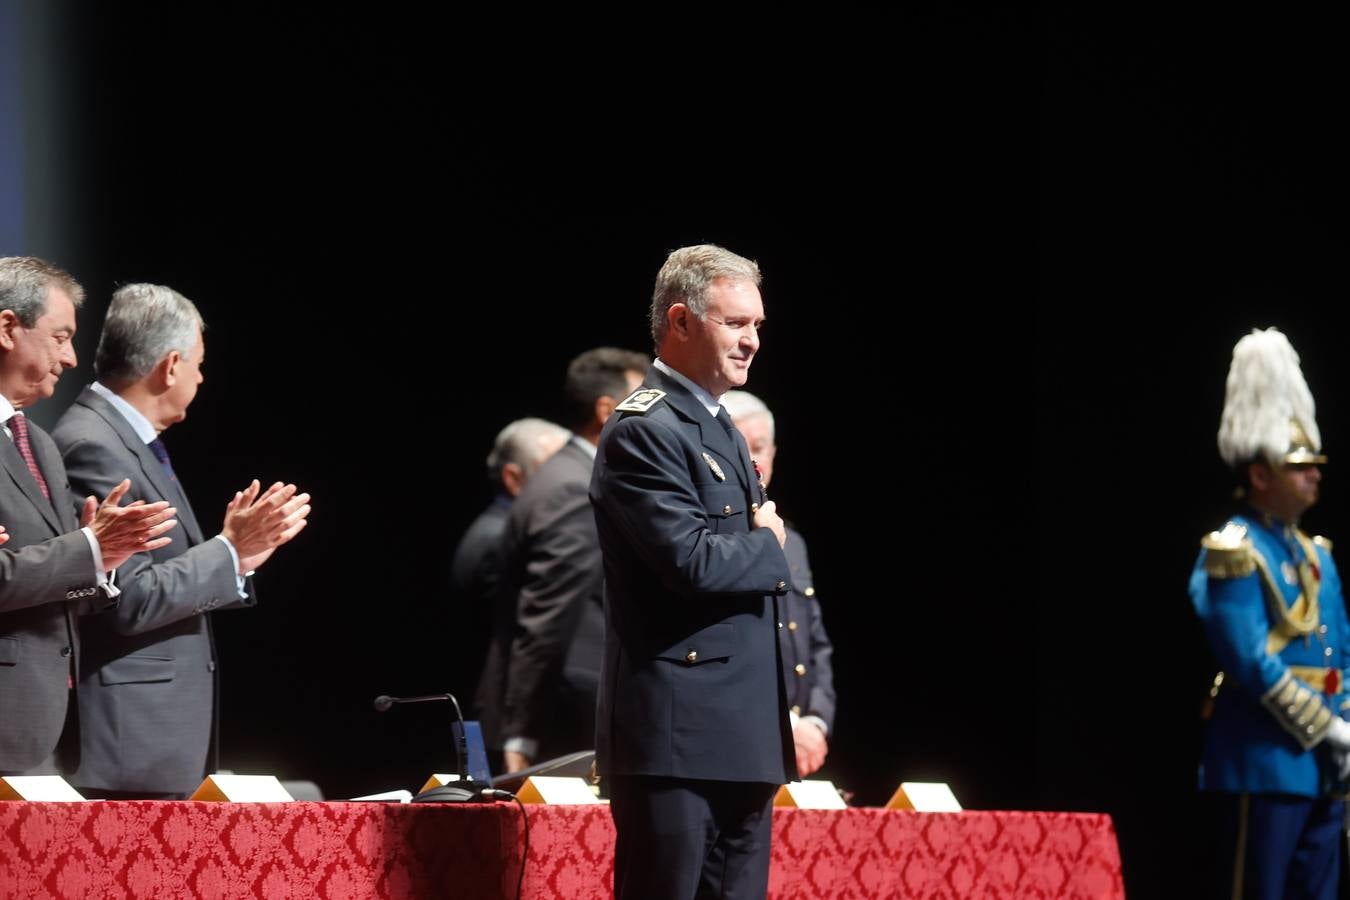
<point x="401" y="228"/>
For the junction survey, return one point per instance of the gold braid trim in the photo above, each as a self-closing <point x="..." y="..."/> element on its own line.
<point x="1299" y="619"/>
<point x="1299" y="711"/>
<point x="1228" y="553"/>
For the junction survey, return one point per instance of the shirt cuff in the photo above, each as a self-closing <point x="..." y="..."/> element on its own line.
<point x="818" y="722"/>
<point x="105" y="583"/>
<point x="522" y="745"/>
<point x="240" y="581"/>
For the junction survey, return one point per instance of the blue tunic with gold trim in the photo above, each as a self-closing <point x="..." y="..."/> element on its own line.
<point x="1270" y="601"/>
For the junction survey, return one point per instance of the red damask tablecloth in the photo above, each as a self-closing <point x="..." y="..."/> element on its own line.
<point x="343" y="851"/>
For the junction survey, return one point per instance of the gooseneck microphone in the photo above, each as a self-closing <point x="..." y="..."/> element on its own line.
<point x="464" y="790"/>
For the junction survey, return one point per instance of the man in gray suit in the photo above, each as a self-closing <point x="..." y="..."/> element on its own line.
<point x="51" y="570"/>
<point x="550" y="641"/>
<point x="148" y="668"/>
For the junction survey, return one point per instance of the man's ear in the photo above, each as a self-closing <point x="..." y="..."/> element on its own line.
<point x="677" y="317"/>
<point x="604" y="408"/>
<point x="9" y="324"/>
<point x="513" y="478"/>
<point x="166" y="370"/>
<point x="1259" y="475"/>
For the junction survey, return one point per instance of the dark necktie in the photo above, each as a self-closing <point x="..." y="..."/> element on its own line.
<point x="162" y="454"/>
<point x="725" y="419"/>
<point x="18" y="426"/>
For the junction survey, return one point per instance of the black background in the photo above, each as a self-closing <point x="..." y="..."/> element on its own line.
<point x="1005" y="264"/>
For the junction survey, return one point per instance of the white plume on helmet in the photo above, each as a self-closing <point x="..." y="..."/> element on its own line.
<point x="1268" y="411"/>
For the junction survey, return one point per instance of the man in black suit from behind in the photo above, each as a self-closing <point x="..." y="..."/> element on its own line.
<point x="476" y="568"/>
<point x="552" y="576"/>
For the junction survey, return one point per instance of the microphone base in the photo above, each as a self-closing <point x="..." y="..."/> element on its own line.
<point x="456" y="792"/>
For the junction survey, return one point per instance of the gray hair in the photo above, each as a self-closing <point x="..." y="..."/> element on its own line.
<point x="745" y="405"/>
<point x="145" y="322"/>
<point x="519" y="443"/>
<point x="686" y="277"/>
<point x="25" y="282"/>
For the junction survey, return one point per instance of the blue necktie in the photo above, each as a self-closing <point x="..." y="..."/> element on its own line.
<point x="162" y="454"/>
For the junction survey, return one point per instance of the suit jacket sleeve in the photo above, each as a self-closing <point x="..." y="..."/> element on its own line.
<point x="156" y="591"/>
<point x="821" y="702"/>
<point x="562" y="570"/>
<point x="646" y="488"/>
<point x="44" y="573"/>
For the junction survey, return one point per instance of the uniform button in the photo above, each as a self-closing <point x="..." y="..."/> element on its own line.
<point x="782" y="585"/>
<point x="65" y="651"/>
<point x="726" y="510"/>
<point x="754" y="507"/>
<point x="799" y="669"/>
<point x="796" y="710"/>
<point x="810" y="592"/>
<point x="211" y="666"/>
<point x="780" y="624"/>
<point x="691" y="656"/>
<point x="1327" y="651"/>
<point x="792" y="626"/>
<point x="1321" y="629"/>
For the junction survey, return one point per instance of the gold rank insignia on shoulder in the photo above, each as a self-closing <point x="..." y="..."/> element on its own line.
<point x="716" y="469"/>
<point x="1228" y="553"/>
<point x="641" y="400"/>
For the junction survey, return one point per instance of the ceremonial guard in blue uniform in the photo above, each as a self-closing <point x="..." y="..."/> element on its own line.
<point x="1269" y="596"/>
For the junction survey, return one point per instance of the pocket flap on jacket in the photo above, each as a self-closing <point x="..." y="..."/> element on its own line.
<point x="714" y="642"/>
<point x="136" y="670"/>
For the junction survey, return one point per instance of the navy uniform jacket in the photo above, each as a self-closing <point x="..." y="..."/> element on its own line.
<point x="692" y="681"/>
<point x="1278" y="655"/>
<point x="807" y="650"/>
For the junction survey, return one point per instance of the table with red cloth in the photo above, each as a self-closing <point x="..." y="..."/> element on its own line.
<point x="343" y="851"/>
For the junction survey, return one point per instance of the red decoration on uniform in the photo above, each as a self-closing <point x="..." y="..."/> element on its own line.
<point x="1333" y="681"/>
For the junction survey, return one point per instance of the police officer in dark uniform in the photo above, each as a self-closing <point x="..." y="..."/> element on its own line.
<point x="806" y="647"/>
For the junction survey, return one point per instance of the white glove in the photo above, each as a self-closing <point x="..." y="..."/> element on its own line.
<point x="1342" y="761"/>
<point x="1338" y="735"/>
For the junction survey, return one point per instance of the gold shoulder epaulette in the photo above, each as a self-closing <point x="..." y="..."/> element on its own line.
<point x="641" y="400"/>
<point x="1324" y="543"/>
<point x="1228" y="553"/>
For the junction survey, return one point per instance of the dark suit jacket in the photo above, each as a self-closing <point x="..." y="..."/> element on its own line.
<point x="47" y="577"/>
<point x="148" y="668"/>
<point x="805" y="643"/>
<point x="551" y="586"/>
<point x="475" y="579"/>
<point x="692" y="684"/>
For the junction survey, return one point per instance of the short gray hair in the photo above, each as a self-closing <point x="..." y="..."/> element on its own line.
<point x="745" y="405"/>
<point x="686" y="277"/>
<point x="519" y="443"/>
<point x="25" y="282"/>
<point x="145" y="322"/>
